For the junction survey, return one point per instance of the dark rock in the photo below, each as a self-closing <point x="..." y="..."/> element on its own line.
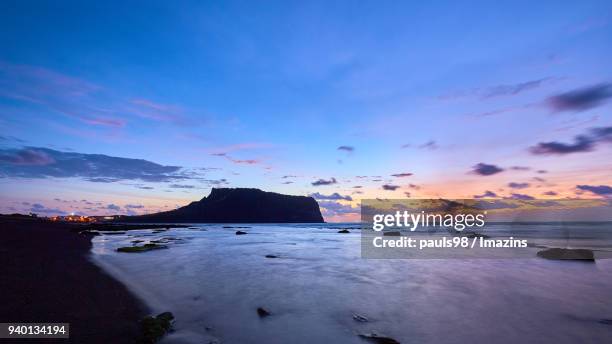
<point x="393" y="233"/>
<point x="143" y="248"/>
<point x="271" y="256"/>
<point x="136" y="241"/>
<point x="567" y="254"/>
<point x="240" y="233"/>
<point x="374" y="338"/>
<point x="360" y="318"/>
<point x="240" y="205"/>
<point x="605" y="321"/>
<point x="262" y="312"/>
<point x="154" y="328"/>
<point x="344" y="231"/>
<point x="90" y="232"/>
<point x="473" y="235"/>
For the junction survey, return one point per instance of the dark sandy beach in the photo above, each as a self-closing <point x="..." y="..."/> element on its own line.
<point x="46" y="276"/>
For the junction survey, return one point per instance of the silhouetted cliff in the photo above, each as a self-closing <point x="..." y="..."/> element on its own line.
<point x="240" y="205"/>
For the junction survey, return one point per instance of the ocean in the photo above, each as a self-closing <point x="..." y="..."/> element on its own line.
<point x="319" y="289"/>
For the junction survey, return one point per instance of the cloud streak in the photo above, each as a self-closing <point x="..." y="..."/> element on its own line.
<point x="582" y="143"/>
<point x="38" y="162"/>
<point x="580" y="99"/>
<point x="333" y="197"/>
<point x="321" y="182"/>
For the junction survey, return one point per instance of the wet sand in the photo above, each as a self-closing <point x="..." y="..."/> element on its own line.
<point x="47" y="276"/>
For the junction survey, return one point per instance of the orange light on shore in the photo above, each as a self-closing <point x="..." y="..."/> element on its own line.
<point x="74" y="218"/>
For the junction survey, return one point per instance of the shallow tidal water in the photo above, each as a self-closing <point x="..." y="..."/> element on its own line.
<point x="214" y="281"/>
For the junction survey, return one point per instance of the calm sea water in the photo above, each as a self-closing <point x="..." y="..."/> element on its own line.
<point x="213" y="281"/>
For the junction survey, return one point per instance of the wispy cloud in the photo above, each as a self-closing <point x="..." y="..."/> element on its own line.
<point x="38" y="162"/>
<point x="321" y="182"/>
<point x="333" y="197"/>
<point x="514" y="185"/>
<point x="521" y="197"/>
<point x="498" y="90"/>
<point x="487" y="194"/>
<point x="76" y="98"/>
<point x="581" y="144"/>
<point x="581" y="99"/>
<point x="38" y="208"/>
<point x="400" y="175"/>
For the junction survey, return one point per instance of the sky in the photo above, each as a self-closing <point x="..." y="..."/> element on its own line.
<point x="137" y="107"/>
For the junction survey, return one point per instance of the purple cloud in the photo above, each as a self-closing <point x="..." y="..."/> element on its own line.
<point x="518" y="185"/>
<point x="581" y="99"/>
<point x="331" y="208"/>
<point x="390" y="187"/>
<point x="37" y="162"/>
<point x="601" y="190"/>
<point x="26" y="157"/>
<point x="113" y="207"/>
<point x="483" y="169"/>
<point x="179" y="186"/>
<point x="582" y="143"/>
<point x="321" y="182"/>
<point x="400" y="175"/>
<point x="333" y="197"/>
<point x="346" y="148"/>
<point x="521" y="197"/>
<point x="38" y="208"/>
<point x="486" y="194"/>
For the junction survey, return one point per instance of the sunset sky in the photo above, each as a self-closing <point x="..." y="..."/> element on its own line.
<point x="127" y="108"/>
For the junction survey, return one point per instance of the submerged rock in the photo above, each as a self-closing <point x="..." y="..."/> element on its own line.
<point x="262" y="312"/>
<point x="344" y="231"/>
<point x="567" y="254"/>
<point x="473" y="235"/>
<point x="90" y="232"/>
<point x="240" y="233"/>
<point x="374" y="338"/>
<point x="154" y="328"/>
<point x="271" y="256"/>
<point x="360" y="318"/>
<point x="143" y="248"/>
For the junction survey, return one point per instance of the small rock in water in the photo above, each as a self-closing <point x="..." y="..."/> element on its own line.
<point x="154" y="328"/>
<point x="393" y="233"/>
<point x="567" y="254"/>
<point x="240" y="233"/>
<point x="271" y="256"/>
<point x="360" y="318"/>
<point x="344" y="231"/>
<point x="262" y="312"/>
<point x="605" y="321"/>
<point x="374" y="338"/>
